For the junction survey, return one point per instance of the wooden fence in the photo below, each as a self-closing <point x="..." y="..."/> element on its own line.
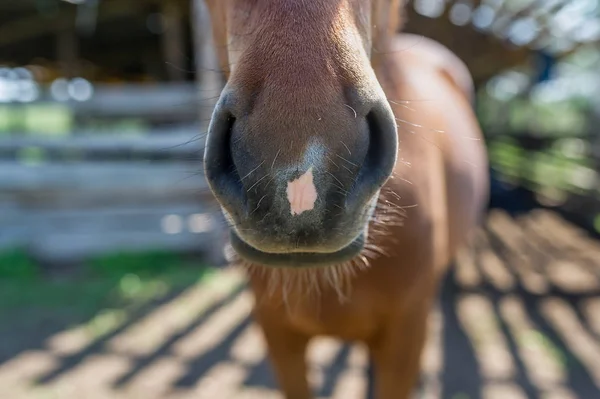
<point x="93" y="194"/>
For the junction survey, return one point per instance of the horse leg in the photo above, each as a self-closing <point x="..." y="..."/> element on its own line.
<point x="396" y="356"/>
<point x="287" y="352"/>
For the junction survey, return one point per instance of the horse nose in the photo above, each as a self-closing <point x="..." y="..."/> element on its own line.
<point x="333" y="177"/>
<point x="381" y="155"/>
<point x="220" y="170"/>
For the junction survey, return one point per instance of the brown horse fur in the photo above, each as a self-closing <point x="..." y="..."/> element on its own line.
<point x="291" y="55"/>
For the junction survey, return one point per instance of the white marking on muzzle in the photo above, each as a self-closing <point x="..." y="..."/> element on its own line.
<point x="302" y="193"/>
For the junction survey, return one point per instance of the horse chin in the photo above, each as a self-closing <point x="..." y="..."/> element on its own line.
<point x="249" y="254"/>
<point x="244" y="251"/>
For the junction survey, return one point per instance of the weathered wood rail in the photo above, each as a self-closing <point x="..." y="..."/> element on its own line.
<point x="96" y="193"/>
<point x="177" y="102"/>
<point x="161" y="103"/>
<point x="67" y="211"/>
<point x="183" y="143"/>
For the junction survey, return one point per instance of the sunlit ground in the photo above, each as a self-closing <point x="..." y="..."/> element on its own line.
<point x="519" y="317"/>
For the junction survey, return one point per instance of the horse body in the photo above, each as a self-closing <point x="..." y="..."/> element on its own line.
<point x="440" y="184"/>
<point x="425" y="212"/>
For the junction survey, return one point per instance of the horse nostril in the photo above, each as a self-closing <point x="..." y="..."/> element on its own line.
<point x="221" y="172"/>
<point x="381" y="155"/>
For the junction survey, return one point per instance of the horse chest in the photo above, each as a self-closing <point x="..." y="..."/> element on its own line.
<point x="357" y="319"/>
<point x="375" y="294"/>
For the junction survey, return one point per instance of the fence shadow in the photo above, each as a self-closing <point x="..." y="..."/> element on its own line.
<point x="518" y="317"/>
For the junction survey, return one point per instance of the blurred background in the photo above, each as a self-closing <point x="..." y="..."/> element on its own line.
<point x="111" y="269"/>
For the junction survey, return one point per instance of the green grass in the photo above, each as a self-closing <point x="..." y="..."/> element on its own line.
<point x="49" y="119"/>
<point x="17" y="266"/>
<point x="556" y="119"/>
<point x="544" y="169"/>
<point x="549" y="172"/>
<point x="99" y="297"/>
<point x="116" y="281"/>
<point x="57" y="120"/>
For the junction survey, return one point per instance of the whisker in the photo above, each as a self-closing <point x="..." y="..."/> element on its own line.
<point x="332" y="161"/>
<point x="178" y="68"/>
<point x="353" y="110"/>
<point x="264" y="217"/>
<point x="258" y="204"/>
<point x="252" y="171"/>
<point x="402" y="105"/>
<point x="258" y="181"/>
<point x="412" y="101"/>
<point x="191" y="140"/>
<point x="351" y="163"/>
<point x="408" y="206"/>
<point x="275" y="159"/>
<point x="347" y="168"/>
<point x="336" y="179"/>
<point x="424" y="139"/>
<point x="348" y="149"/>
<point x="419" y="126"/>
<point x="269" y="182"/>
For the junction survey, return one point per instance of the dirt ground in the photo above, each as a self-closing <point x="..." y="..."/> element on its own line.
<point x="518" y="317"/>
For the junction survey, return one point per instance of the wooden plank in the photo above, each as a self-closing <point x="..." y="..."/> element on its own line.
<point x="66" y="212"/>
<point x="174" y="100"/>
<point x="70" y="199"/>
<point x="129" y="218"/>
<point x="181" y="142"/>
<point x="102" y="184"/>
<point x="70" y="235"/>
<point x="63" y="248"/>
<point x="96" y="176"/>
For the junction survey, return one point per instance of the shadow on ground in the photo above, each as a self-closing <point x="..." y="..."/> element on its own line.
<point x="518" y="317"/>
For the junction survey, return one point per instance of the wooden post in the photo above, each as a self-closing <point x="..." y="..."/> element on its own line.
<point x="173" y="41"/>
<point x="67" y="49"/>
<point x="208" y="72"/>
<point x="209" y="80"/>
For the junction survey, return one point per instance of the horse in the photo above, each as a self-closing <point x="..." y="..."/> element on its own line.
<point x="348" y="162"/>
